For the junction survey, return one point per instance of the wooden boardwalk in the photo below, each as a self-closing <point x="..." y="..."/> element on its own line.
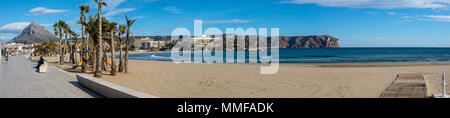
<point x="406" y="86"/>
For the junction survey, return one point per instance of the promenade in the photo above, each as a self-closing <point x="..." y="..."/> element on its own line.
<point x="19" y="79"/>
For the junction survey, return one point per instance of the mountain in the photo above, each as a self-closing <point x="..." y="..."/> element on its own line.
<point x="318" y="41"/>
<point x="34" y="33"/>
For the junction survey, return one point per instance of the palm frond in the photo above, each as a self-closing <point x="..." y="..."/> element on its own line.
<point x="87" y="7"/>
<point x="104" y="4"/>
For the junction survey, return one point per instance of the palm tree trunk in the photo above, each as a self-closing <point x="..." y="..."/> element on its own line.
<point x="104" y="60"/>
<point x="94" y="59"/>
<point x="91" y="50"/>
<point x="72" y="59"/>
<point x="65" y="48"/>
<point x="75" y="53"/>
<point x="61" y="50"/>
<point x="84" y="51"/>
<point x="113" y="65"/>
<point x="126" y="50"/>
<point x="98" y="70"/>
<point x="120" y="53"/>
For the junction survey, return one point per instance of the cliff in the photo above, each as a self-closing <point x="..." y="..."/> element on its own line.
<point x="319" y="41"/>
<point x="315" y="41"/>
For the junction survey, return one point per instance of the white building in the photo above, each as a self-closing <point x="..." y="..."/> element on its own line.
<point x="148" y="44"/>
<point x="19" y="48"/>
<point x="202" y="41"/>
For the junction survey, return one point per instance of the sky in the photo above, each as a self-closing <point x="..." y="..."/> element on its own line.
<point x="357" y="23"/>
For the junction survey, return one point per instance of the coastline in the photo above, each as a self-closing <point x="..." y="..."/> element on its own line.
<point x="294" y="80"/>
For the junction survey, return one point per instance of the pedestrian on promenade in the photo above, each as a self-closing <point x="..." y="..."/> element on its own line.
<point x="6" y="56"/>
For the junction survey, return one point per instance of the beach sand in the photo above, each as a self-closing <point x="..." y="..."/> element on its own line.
<point x="167" y="79"/>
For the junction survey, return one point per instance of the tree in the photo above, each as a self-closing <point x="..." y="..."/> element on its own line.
<point x="121" y="30"/>
<point x="45" y="48"/>
<point x="66" y="29"/>
<point x="84" y="55"/>
<point x="130" y="22"/>
<point x="92" y="30"/>
<point x="112" y="29"/>
<point x="98" y="70"/>
<point x="73" y="47"/>
<point x="58" y="30"/>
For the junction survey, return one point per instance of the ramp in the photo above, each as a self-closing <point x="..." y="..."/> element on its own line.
<point x="406" y="86"/>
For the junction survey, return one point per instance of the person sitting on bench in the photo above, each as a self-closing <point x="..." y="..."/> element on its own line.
<point x="40" y="62"/>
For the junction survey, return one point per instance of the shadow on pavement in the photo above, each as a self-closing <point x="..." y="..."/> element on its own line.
<point x="84" y="89"/>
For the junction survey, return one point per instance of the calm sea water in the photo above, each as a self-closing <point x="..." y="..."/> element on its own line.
<point x="342" y="55"/>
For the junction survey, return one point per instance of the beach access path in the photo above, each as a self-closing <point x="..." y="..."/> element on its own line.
<point x="19" y="79"/>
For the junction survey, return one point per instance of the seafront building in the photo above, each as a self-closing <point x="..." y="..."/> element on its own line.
<point x="201" y="42"/>
<point x="19" y="48"/>
<point x="147" y="44"/>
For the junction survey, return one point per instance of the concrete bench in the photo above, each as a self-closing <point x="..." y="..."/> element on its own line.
<point x="43" y="67"/>
<point x="110" y="90"/>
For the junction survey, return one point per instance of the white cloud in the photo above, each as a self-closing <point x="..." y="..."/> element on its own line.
<point x="140" y="17"/>
<point x="441" y="18"/>
<point x="379" y="4"/>
<point x="407" y="17"/>
<point x="226" y="21"/>
<point x="4" y="38"/>
<point x="15" y="28"/>
<point x="113" y="4"/>
<point x="118" y="11"/>
<point x="44" y="11"/>
<point x="392" y="13"/>
<point x="113" y="9"/>
<point x="409" y="20"/>
<point x="174" y="10"/>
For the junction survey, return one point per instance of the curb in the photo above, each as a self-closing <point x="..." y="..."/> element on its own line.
<point x="110" y="90"/>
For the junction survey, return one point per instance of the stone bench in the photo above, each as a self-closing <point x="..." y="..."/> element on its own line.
<point x="43" y="67"/>
<point x="110" y="90"/>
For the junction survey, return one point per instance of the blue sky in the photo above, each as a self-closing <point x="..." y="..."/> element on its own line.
<point x="357" y="23"/>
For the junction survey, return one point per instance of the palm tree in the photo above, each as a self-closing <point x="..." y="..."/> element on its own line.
<point x="112" y="29"/>
<point x="73" y="36"/>
<point x="98" y="71"/>
<point x="73" y="46"/>
<point x="45" y="48"/>
<point x="130" y="22"/>
<point x="58" y="29"/>
<point x="92" y="30"/>
<point x="84" y="9"/>
<point x="122" y="29"/>
<point x="66" y="29"/>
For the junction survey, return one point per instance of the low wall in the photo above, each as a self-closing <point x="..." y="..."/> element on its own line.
<point x="110" y="90"/>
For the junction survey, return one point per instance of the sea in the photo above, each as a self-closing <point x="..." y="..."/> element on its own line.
<point x="339" y="55"/>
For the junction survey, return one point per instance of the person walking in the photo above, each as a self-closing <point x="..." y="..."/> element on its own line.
<point x="6" y="56"/>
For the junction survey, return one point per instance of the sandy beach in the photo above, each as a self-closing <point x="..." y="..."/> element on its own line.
<point x="352" y="80"/>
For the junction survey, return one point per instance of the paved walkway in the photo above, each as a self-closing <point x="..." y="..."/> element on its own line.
<point x="19" y="79"/>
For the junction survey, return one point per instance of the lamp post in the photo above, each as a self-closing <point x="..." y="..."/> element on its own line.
<point x="1" y="46"/>
<point x="443" y="85"/>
